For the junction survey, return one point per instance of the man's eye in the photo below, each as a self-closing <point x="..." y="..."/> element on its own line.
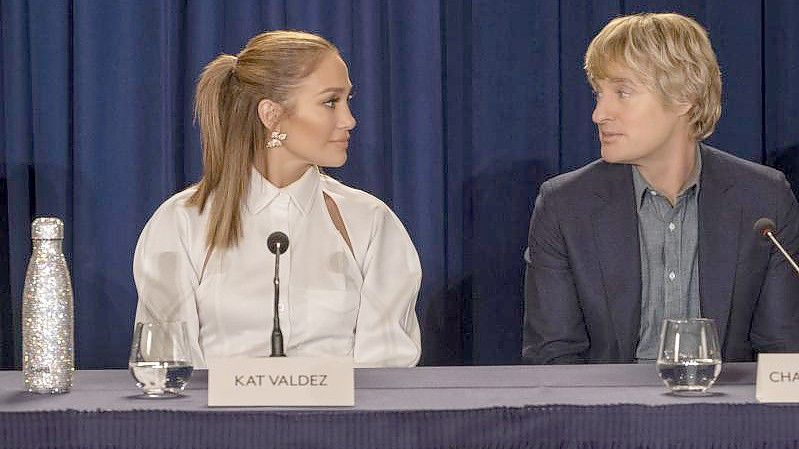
<point x="331" y="103"/>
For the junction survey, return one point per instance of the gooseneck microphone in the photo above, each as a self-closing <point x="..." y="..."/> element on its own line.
<point x="765" y="227"/>
<point x="278" y="243"/>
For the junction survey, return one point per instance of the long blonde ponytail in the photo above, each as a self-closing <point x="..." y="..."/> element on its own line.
<point x="226" y="108"/>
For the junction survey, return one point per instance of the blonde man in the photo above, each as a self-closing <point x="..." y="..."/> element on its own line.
<point x="661" y="226"/>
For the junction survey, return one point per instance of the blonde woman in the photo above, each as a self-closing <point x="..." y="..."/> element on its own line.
<point x="270" y="117"/>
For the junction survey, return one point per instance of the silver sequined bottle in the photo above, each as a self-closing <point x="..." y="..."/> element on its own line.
<point x="48" y="354"/>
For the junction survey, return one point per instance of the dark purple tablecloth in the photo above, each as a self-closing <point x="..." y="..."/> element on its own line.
<point x="621" y="406"/>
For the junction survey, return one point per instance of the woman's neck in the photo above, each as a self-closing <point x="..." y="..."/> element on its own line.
<point x="280" y="170"/>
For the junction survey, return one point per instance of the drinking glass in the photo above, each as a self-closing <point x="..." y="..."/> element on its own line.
<point x="159" y="358"/>
<point x="689" y="359"/>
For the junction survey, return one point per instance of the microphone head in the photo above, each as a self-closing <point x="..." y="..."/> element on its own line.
<point x="763" y="226"/>
<point x="277" y="241"/>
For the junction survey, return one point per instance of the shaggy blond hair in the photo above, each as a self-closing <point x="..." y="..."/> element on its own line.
<point x="671" y="54"/>
<point x="269" y="67"/>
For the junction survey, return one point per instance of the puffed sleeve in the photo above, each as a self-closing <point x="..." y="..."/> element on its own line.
<point x="387" y="331"/>
<point x="164" y="274"/>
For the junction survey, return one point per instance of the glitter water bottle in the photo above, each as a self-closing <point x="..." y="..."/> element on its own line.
<point x="48" y="355"/>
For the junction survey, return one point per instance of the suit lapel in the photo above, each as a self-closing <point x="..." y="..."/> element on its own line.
<point x="615" y="224"/>
<point x="719" y="228"/>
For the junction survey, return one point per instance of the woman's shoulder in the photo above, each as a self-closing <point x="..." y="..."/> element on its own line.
<point x="177" y="210"/>
<point x="367" y="218"/>
<point x="352" y="198"/>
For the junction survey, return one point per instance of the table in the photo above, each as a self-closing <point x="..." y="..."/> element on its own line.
<point x="606" y="406"/>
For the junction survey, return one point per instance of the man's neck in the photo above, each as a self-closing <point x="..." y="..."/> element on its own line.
<point x="669" y="174"/>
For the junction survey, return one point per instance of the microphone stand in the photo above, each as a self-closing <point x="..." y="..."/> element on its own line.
<point x="278" y="243"/>
<point x="769" y="234"/>
<point x="277" y="334"/>
<point x="765" y="227"/>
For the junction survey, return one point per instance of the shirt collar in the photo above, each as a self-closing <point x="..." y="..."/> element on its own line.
<point x="642" y="187"/>
<point x="261" y="192"/>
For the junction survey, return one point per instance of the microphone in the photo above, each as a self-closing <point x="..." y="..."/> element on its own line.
<point x="765" y="227"/>
<point x="278" y="243"/>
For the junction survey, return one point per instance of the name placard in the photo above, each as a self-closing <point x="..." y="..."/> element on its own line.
<point x="280" y="381"/>
<point x="777" y="378"/>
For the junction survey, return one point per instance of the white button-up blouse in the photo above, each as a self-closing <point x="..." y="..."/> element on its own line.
<point x="334" y="300"/>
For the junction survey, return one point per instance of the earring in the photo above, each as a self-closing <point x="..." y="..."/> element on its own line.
<point x="276" y="140"/>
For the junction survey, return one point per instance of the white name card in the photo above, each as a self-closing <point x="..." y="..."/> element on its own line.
<point x="777" y="378"/>
<point x="281" y="381"/>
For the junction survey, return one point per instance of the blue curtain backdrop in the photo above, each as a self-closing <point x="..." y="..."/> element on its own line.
<point x="464" y="108"/>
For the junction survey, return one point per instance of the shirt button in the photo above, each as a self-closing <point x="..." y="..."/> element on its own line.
<point x="653" y="193"/>
<point x="672" y="275"/>
<point x="671" y="226"/>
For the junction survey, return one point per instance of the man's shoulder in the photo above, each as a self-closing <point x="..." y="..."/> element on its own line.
<point x="738" y="170"/>
<point x="588" y="178"/>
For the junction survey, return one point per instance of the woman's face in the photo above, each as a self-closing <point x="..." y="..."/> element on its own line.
<point x="319" y="122"/>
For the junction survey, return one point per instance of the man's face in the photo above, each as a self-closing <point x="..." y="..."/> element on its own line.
<point x="635" y="126"/>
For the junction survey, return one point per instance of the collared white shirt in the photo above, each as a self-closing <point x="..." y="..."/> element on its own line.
<point x="334" y="300"/>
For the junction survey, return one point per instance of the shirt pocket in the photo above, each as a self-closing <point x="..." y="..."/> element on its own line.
<point x="331" y="312"/>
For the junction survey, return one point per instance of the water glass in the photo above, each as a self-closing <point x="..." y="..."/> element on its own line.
<point x="159" y="358"/>
<point x="689" y="359"/>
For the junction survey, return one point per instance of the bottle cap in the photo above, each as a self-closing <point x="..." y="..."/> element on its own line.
<point x="47" y="228"/>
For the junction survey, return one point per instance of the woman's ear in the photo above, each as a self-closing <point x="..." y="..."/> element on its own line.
<point x="269" y="113"/>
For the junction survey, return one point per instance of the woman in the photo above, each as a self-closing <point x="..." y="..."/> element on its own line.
<point x="269" y="117"/>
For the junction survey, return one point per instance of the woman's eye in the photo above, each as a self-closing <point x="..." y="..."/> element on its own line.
<point x="331" y="103"/>
<point x="623" y="93"/>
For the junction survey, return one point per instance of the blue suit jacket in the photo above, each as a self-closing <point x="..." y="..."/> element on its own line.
<point x="583" y="277"/>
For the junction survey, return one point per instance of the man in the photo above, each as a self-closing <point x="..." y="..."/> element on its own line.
<point x="661" y="226"/>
